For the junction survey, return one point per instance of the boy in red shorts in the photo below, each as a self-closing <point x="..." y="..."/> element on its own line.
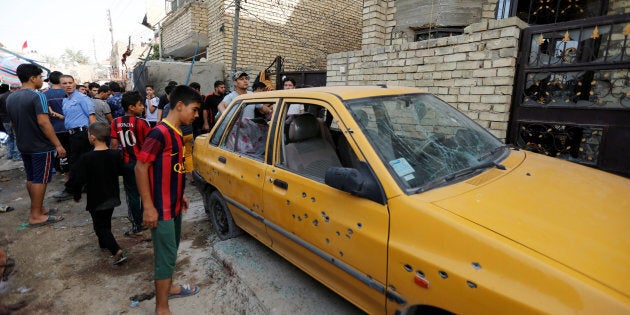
<point x="129" y="132"/>
<point x="160" y="174"/>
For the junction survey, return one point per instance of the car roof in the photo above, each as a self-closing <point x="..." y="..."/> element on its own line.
<point x="343" y="92"/>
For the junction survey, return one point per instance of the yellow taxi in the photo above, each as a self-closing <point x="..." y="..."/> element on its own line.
<point x="403" y="205"/>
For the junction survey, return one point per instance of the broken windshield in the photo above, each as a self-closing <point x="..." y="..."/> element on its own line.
<point x="422" y="139"/>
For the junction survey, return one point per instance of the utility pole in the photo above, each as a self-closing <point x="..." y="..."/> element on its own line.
<point x="113" y="58"/>
<point x="237" y="12"/>
<point x="94" y="46"/>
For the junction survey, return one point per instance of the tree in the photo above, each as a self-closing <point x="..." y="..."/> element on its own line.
<point x="73" y="56"/>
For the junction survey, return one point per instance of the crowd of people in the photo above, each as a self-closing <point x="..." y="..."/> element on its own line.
<point x="91" y="134"/>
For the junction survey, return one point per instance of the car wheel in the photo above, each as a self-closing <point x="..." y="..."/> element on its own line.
<point x="221" y="218"/>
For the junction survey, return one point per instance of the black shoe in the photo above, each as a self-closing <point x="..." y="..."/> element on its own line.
<point x="61" y="196"/>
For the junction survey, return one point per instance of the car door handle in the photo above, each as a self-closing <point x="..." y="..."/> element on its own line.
<point x="280" y="183"/>
<point x="222" y="159"/>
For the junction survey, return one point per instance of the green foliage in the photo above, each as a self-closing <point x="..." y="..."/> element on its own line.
<point x="75" y="56"/>
<point x="155" y="52"/>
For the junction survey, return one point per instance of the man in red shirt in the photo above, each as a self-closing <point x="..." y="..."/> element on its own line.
<point x="160" y="174"/>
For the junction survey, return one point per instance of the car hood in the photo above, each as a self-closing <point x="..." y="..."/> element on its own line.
<point x="575" y="215"/>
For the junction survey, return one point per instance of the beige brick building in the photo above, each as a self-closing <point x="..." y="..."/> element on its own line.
<point x="467" y="53"/>
<point x="302" y="32"/>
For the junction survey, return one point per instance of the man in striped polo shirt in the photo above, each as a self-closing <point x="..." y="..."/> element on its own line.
<point x="160" y="174"/>
<point x="129" y="132"/>
<point x="36" y="140"/>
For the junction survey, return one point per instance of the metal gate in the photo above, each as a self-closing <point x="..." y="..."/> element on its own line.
<point x="572" y="92"/>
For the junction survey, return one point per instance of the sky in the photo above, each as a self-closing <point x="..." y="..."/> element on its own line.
<point x="52" y="26"/>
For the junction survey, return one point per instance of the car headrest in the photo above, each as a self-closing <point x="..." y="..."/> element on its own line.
<point x="303" y="127"/>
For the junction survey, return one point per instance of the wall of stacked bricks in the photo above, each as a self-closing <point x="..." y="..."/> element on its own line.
<point x="474" y="71"/>
<point x="184" y="23"/>
<point x="303" y="32"/>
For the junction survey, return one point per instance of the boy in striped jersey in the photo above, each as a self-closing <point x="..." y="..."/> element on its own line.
<point x="129" y="132"/>
<point x="160" y="174"/>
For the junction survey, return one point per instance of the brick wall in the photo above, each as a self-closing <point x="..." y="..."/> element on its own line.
<point x="303" y="32"/>
<point x="474" y="71"/>
<point x="186" y="22"/>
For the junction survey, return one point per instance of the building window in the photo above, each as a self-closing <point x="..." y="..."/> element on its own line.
<point x="551" y="11"/>
<point x="425" y="34"/>
<point x="172" y="5"/>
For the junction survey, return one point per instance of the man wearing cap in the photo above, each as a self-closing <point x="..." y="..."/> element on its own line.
<point x="54" y="97"/>
<point x="12" y="150"/>
<point x="241" y="83"/>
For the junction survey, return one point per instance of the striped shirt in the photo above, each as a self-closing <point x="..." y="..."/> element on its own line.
<point x="163" y="149"/>
<point x="130" y="131"/>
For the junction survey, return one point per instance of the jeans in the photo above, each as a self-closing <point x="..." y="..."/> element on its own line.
<point x="134" y="204"/>
<point x="12" y="151"/>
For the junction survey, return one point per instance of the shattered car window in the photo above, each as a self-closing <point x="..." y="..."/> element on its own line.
<point x="422" y="139"/>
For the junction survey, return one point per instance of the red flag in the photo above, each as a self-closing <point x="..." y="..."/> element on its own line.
<point x="24" y="45"/>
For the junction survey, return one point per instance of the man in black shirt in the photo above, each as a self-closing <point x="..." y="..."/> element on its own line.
<point x="210" y="105"/>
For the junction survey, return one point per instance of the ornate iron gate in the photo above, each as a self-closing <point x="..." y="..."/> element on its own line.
<point x="572" y="93"/>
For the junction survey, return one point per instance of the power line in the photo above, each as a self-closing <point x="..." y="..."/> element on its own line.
<point x="285" y="32"/>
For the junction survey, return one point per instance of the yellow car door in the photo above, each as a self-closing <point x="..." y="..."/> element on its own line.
<point x="239" y="168"/>
<point x="338" y="238"/>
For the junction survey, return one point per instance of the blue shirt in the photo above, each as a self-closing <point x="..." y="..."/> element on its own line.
<point x="55" y="101"/>
<point x="115" y="105"/>
<point x="77" y="108"/>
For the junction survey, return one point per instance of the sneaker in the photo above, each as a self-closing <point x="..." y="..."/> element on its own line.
<point x="119" y="258"/>
<point x="63" y="195"/>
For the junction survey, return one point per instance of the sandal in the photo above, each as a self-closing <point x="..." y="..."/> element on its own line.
<point x="133" y="234"/>
<point x="8" y="268"/>
<point x="185" y="291"/>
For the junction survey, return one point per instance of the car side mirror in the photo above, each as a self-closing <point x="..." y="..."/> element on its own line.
<point x="359" y="182"/>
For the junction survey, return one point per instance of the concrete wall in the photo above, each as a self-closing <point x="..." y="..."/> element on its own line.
<point x="184" y="27"/>
<point x="159" y="73"/>
<point x="303" y="32"/>
<point x="474" y="71"/>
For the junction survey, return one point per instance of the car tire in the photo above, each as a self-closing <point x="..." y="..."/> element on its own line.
<point x="222" y="220"/>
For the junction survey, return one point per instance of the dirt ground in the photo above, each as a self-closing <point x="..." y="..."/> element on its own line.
<point x="61" y="270"/>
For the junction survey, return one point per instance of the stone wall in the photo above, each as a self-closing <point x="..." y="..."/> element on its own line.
<point x="303" y="32"/>
<point x="187" y="24"/>
<point x="474" y="71"/>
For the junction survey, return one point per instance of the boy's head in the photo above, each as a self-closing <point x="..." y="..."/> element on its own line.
<point x="168" y="89"/>
<point x="115" y="87"/>
<point x="26" y="71"/>
<point x="259" y="87"/>
<point x="103" y="92"/>
<point x="132" y="103"/>
<point x="185" y="103"/>
<point x="149" y="90"/>
<point x="98" y="131"/>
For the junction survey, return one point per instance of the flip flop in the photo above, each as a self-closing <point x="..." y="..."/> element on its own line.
<point x="52" y="211"/>
<point x="6" y="208"/>
<point x="51" y="220"/>
<point x="133" y="234"/>
<point x="186" y="291"/>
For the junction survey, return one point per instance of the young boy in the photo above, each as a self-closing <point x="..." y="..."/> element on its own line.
<point x="161" y="180"/>
<point x="151" y="105"/>
<point x="130" y="131"/>
<point x="99" y="170"/>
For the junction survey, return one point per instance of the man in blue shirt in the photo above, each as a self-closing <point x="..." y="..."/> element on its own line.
<point x="114" y="101"/>
<point x="55" y="96"/>
<point x="78" y="110"/>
